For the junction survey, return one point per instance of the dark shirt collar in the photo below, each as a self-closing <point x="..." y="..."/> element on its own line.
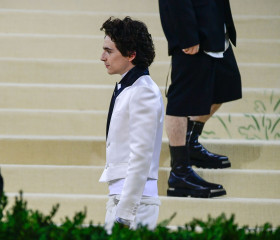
<point x="132" y="75"/>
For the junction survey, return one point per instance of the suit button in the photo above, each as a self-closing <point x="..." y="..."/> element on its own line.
<point x="108" y="144"/>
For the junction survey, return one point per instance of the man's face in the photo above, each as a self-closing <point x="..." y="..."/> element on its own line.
<point x="114" y="61"/>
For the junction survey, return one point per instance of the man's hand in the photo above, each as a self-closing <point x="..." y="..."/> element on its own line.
<point x="191" y="50"/>
<point x="123" y="222"/>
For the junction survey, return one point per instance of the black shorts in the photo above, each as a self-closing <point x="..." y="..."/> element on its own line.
<point x="198" y="81"/>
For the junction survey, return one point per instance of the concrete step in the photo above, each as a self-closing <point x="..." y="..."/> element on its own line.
<point x="59" y="179"/>
<point x="253" y="27"/>
<point x="54" y="22"/>
<point x="89" y="47"/>
<point x="265" y="210"/>
<point x="87" y="97"/>
<point x="109" y="6"/>
<point x="63" y="71"/>
<point x="244" y="126"/>
<point x="254" y="100"/>
<point x="70" y="97"/>
<point x="53" y="123"/>
<point x="90" y="151"/>
<point x="260" y="126"/>
<point x="258" y="7"/>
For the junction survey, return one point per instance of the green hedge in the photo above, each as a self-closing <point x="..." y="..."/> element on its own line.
<point x="21" y="223"/>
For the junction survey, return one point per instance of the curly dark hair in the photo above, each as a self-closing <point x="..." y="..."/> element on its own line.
<point x="131" y="36"/>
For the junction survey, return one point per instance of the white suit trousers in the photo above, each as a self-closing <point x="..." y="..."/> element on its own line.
<point x="146" y="213"/>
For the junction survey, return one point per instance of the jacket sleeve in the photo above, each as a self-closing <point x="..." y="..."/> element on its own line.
<point x="144" y="116"/>
<point x="184" y="22"/>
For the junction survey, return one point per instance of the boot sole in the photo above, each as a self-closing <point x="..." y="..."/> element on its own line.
<point x="217" y="192"/>
<point x="178" y="192"/>
<point x="175" y="192"/>
<point x="210" y="165"/>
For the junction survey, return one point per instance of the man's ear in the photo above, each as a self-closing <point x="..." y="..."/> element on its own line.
<point x="131" y="56"/>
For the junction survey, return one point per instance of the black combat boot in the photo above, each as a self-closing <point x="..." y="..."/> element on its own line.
<point x="199" y="155"/>
<point x="184" y="181"/>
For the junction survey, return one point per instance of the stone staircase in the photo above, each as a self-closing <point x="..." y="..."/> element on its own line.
<point x="55" y="93"/>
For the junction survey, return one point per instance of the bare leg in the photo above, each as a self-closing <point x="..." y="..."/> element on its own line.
<point x="205" y="118"/>
<point x="176" y="128"/>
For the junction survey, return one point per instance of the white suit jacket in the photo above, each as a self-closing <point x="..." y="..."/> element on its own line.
<point x="134" y="142"/>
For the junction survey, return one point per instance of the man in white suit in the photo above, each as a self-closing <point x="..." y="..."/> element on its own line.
<point x="134" y="126"/>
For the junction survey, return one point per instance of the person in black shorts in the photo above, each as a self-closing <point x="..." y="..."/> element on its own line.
<point x="204" y="75"/>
